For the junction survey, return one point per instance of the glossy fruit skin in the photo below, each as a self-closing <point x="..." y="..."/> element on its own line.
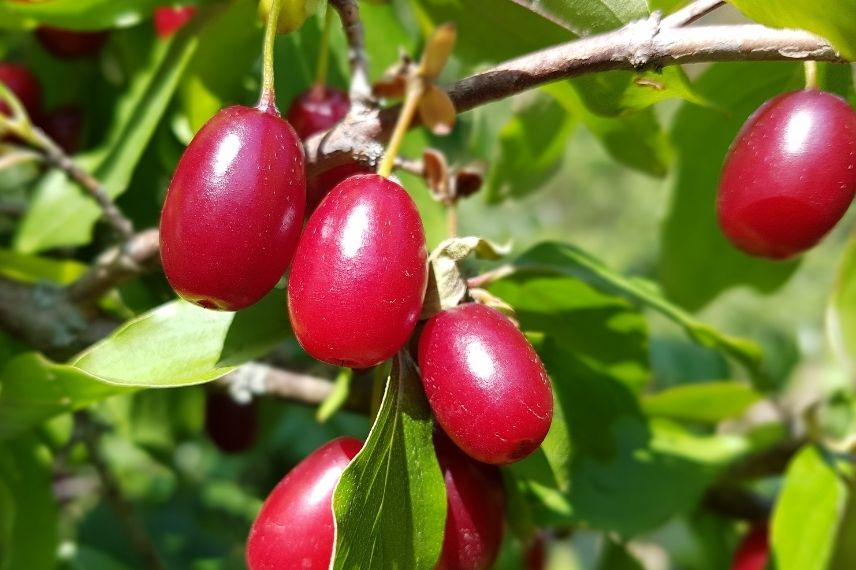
<point x="320" y="185"/>
<point x="485" y="383"/>
<point x="233" y="212"/>
<point x="65" y="126"/>
<point x="70" y="44"/>
<point x="233" y="427"/>
<point x="475" y="509"/>
<point x="317" y="109"/>
<point x="356" y="286"/>
<point x="294" y="528"/>
<point x="754" y="550"/>
<point x="169" y="19"/>
<point x="20" y="81"/>
<point x="790" y="174"/>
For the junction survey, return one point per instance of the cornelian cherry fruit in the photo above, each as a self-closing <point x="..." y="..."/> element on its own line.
<point x="485" y="383"/>
<point x="317" y="109"/>
<point x="234" y="209"/>
<point x="475" y="509"/>
<point x="232" y="426"/>
<point x="169" y="19"/>
<point x="359" y="275"/>
<point x="70" y="44"/>
<point x="754" y="550"/>
<point x="24" y="85"/>
<point x="790" y="174"/>
<point x="320" y="185"/>
<point x="294" y="528"/>
<point x="65" y="126"/>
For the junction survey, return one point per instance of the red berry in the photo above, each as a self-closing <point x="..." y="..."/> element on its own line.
<point x="753" y="550"/>
<point x="317" y="110"/>
<point x="65" y="126"/>
<point x="70" y="44"/>
<point x="230" y="425"/>
<point x="359" y="275"/>
<point x="320" y="185"/>
<point x="170" y="19"/>
<point x="790" y="174"/>
<point x="20" y="81"/>
<point x="535" y="557"/>
<point x="475" y="509"/>
<point x="485" y="383"/>
<point x="234" y="209"/>
<point x="294" y="528"/>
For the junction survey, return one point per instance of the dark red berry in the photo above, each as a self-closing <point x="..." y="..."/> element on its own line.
<point x="294" y="528"/>
<point x="790" y="174"/>
<point x="20" y="81"/>
<point x="485" y="383"/>
<point x="320" y="185"/>
<point x="753" y="551"/>
<point x="317" y="110"/>
<point x="70" y="44"/>
<point x="359" y="275"/>
<point x="535" y="556"/>
<point x="233" y="427"/>
<point x="170" y="19"/>
<point x="234" y="209"/>
<point x="475" y="509"/>
<point x="65" y="126"/>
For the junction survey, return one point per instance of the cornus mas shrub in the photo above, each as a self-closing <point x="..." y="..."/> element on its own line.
<point x="427" y="285"/>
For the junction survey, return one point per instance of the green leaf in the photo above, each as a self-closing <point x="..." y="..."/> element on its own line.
<point x="390" y="504"/>
<point x="178" y="344"/>
<point x="61" y="213"/>
<point x="808" y="511"/>
<point x="31" y="268"/>
<point x="841" y="314"/>
<point x="29" y="514"/>
<point x="35" y="390"/>
<point x="617" y="557"/>
<point x="708" y="402"/>
<point x="833" y="19"/>
<point x="337" y="397"/>
<point x="562" y="259"/>
<point x="585" y="17"/>
<point x="844" y="557"/>
<point x="696" y="261"/>
<point x="76" y="14"/>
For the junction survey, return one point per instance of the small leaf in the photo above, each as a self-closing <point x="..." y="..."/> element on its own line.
<point x="708" y="402"/>
<point x="437" y="51"/>
<point x="437" y="111"/>
<point x="337" y="397"/>
<point x="390" y="504"/>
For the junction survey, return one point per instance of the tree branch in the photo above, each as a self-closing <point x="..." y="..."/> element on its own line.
<point x="361" y="90"/>
<point x="641" y="45"/>
<point x="690" y="13"/>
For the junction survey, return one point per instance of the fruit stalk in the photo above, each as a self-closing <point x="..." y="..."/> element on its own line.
<point x="810" y="74"/>
<point x="415" y="88"/>
<point x="267" y="99"/>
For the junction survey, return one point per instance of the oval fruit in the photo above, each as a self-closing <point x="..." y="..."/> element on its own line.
<point x="294" y="528"/>
<point x="317" y="109"/>
<point x="320" y="185"/>
<point x="170" y="19"/>
<point x="356" y="287"/>
<point x="485" y="383"/>
<point x="231" y="425"/>
<point x="233" y="211"/>
<point x="753" y="550"/>
<point x="790" y="174"/>
<point x="70" y="44"/>
<point x="20" y="81"/>
<point x="475" y="509"/>
<point x="65" y="126"/>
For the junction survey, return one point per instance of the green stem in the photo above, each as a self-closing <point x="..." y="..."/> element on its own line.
<point x="810" y="74"/>
<point x="405" y="117"/>
<point x="267" y="99"/>
<point x="324" y="52"/>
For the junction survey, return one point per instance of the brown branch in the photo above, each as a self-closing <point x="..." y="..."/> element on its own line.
<point x="641" y="45"/>
<point x="360" y="90"/>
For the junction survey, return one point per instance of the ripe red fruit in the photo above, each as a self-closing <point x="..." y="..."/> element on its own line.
<point x="485" y="383"/>
<point x="320" y="185"/>
<point x="231" y="426"/>
<point x="65" y="126"/>
<point x="790" y="174"/>
<point x="294" y="528"/>
<point x="535" y="556"/>
<point x="169" y="19"/>
<point x="20" y="81"/>
<point x="233" y="212"/>
<point x="359" y="275"/>
<point x="317" y="110"/>
<point x="753" y="550"/>
<point x="70" y="44"/>
<point x="475" y="509"/>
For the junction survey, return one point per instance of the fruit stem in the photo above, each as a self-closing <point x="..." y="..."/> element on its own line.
<point x="452" y="218"/>
<point x="810" y="74"/>
<point x="415" y="88"/>
<point x="324" y="51"/>
<point x="267" y="99"/>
